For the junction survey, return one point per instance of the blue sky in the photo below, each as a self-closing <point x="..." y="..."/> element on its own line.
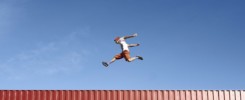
<point x="59" y="44"/>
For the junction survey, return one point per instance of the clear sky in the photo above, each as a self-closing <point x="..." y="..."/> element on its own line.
<point x="60" y="44"/>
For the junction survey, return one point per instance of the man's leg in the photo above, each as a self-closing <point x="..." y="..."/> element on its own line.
<point x="112" y="60"/>
<point x="106" y="64"/>
<point x="126" y="54"/>
<point x="118" y="56"/>
<point x="132" y="59"/>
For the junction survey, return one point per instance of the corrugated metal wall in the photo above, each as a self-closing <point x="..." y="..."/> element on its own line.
<point x="122" y="95"/>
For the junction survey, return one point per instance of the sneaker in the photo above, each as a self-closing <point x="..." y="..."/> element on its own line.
<point x="139" y="57"/>
<point x="105" y="64"/>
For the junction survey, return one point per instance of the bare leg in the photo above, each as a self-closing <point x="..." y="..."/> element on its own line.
<point x="133" y="58"/>
<point x="118" y="56"/>
<point x="106" y="64"/>
<point x="112" y="60"/>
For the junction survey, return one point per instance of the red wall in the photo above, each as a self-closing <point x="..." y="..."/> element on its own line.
<point x="122" y="94"/>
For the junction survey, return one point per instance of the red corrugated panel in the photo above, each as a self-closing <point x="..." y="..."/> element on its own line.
<point x="122" y="95"/>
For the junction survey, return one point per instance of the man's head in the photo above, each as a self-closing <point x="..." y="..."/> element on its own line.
<point x="117" y="39"/>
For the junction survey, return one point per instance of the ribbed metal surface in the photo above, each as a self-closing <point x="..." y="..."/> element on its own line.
<point x="122" y="95"/>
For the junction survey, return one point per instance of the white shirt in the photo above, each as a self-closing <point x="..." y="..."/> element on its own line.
<point x="124" y="45"/>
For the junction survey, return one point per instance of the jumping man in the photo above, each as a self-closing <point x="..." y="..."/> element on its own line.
<point x="125" y="50"/>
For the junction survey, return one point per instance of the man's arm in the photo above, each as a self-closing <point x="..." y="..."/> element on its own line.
<point x="130" y="36"/>
<point x="133" y="45"/>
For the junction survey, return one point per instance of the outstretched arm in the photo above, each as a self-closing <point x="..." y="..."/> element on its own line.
<point x="131" y="36"/>
<point x="133" y="45"/>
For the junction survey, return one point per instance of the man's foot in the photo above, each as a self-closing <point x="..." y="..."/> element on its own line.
<point x="105" y="64"/>
<point x="139" y="57"/>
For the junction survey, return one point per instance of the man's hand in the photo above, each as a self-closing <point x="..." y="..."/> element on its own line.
<point x="135" y="34"/>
